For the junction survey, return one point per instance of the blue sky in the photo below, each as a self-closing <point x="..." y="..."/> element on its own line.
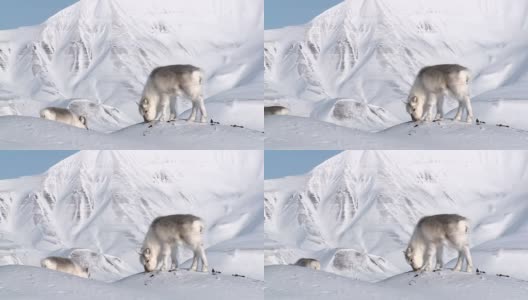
<point x="20" y="163"/>
<point x="281" y="13"/>
<point x="17" y="13"/>
<point x="286" y="163"/>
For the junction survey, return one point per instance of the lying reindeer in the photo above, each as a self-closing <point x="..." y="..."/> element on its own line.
<point x="63" y="115"/>
<point x="309" y="263"/>
<point x="275" y="110"/>
<point x="65" y="265"/>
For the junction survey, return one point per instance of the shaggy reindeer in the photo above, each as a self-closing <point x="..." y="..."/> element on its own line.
<point x="430" y="87"/>
<point x="63" y="115"/>
<point x="168" y="232"/>
<point x="175" y="80"/>
<point x="309" y="263"/>
<point x="429" y="237"/>
<point x="65" y="265"/>
<point x="275" y="110"/>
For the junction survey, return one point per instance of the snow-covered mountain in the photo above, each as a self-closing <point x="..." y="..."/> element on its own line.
<point x="356" y="211"/>
<point x="369" y="51"/>
<point x="97" y="205"/>
<point x="95" y="56"/>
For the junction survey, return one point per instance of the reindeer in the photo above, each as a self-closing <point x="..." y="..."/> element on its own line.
<point x="275" y="110"/>
<point x="432" y="84"/>
<point x="175" y="80"/>
<point x="63" y="115"/>
<point x="167" y="233"/>
<point x="429" y="237"/>
<point x="65" y="265"/>
<point x="309" y="263"/>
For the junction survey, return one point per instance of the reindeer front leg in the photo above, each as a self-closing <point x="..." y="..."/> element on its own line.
<point x="428" y="258"/>
<point x="164" y="107"/>
<point x="458" y="265"/>
<point x="469" y="260"/>
<point x="174" y="257"/>
<point x="203" y="112"/>
<point x="203" y="258"/>
<point x="164" y="257"/>
<point x="430" y="104"/>
<point x="439" y="257"/>
<point x="173" y="108"/>
<point x="194" y="265"/>
<point x="469" y="109"/>
<point x="194" y="109"/>
<point x="440" y="108"/>
<point x="460" y="109"/>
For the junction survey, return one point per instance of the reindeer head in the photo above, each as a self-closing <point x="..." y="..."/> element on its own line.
<point x="413" y="258"/>
<point x="147" y="110"/>
<point x="148" y="260"/>
<point x="82" y="119"/>
<point x="415" y="107"/>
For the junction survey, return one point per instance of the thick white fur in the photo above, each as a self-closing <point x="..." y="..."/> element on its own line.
<point x="65" y="265"/>
<point x="163" y="238"/>
<point x="309" y="263"/>
<point x="275" y="110"/>
<point x="430" y="87"/>
<point x="164" y="85"/>
<point x="431" y="234"/>
<point x="63" y="115"/>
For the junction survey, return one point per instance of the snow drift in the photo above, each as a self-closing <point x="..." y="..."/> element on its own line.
<point x="18" y="282"/>
<point x="291" y="282"/>
<point x="293" y="132"/>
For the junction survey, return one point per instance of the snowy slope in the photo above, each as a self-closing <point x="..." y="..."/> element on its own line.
<point x="22" y="282"/>
<point x="95" y="56"/>
<point x="291" y="282"/>
<point x="356" y="211"/>
<point x="44" y="134"/>
<point x="96" y="206"/>
<point x="292" y="132"/>
<point x="368" y="52"/>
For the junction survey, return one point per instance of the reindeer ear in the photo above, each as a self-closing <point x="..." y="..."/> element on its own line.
<point x="145" y="101"/>
<point x="146" y="252"/>
<point x="413" y="102"/>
